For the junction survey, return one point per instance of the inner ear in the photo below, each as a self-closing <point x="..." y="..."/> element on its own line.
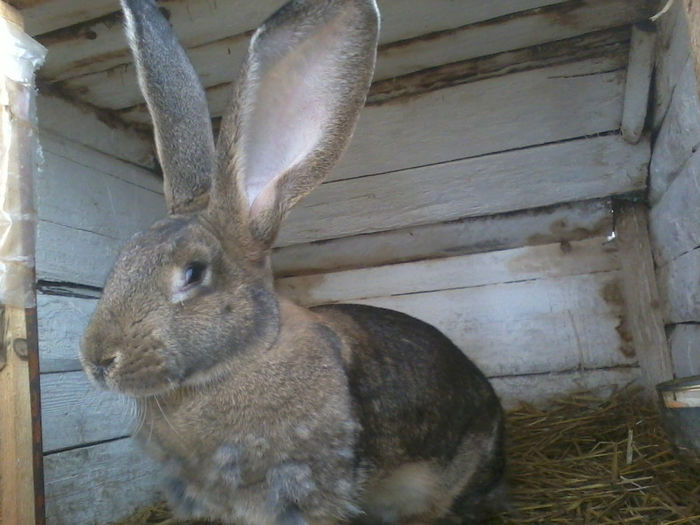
<point x="301" y="89"/>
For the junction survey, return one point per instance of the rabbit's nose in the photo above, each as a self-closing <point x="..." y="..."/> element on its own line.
<point x="101" y="367"/>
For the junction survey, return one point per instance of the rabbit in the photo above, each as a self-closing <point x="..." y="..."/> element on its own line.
<point x="260" y="411"/>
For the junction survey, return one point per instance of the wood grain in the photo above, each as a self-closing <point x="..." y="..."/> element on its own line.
<point x="62" y="321"/>
<point x="17" y="503"/>
<point x="217" y="63"/>
<point x="675" y="220"/>
<point x="679" y="287"/>
<point x="516" y="180"/>
<point x="641" y="296"/>
<point x="685" y="341"/>
<point x="638" y="83"/>
<point x="679" y="135"/>
<point x="559" y="223"/>
<point x="98" y="484"/>
<point x="100" y="45"/>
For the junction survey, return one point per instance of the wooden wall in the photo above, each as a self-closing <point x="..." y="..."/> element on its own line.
<point x="88" y="204"/>
<point x="675" y="190"/>
<point x="475" y="195"/>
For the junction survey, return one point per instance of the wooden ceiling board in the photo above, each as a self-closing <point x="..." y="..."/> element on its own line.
<point x="100" y="45"/>
<point x="217" y="63"/>
<point x="42" y="16"/>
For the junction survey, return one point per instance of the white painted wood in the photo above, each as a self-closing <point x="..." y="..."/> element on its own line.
<point x="567" y="222"/>
<point x="638" y="83"/>
<point x="519" y="110"/>
<point x="56" y="251"/>
<point x="89" y="198"/>
<point x="98" y="484"/>
<point x="217" y="63"/>
<point x="83" y="126"/>
<point x="675" y="219"/>
<point x="66" y="147"/>
<point x="505" y="266"/>
<point x="576" y="170"/>
<point x="517" y="32"/>
<point x="543" y="325"/>
<point x="49" y="15"/>
<point x="543" y="389"/>
<point x="641" y="296"/>
<point x="89" y="204"/>
<point x="679" y="136"/>
<point x="74" y="412"/>
<point x="672" y="53"/>
<point x="679" y="287"/>
<point x="61" y="323"/>
<point x="685" y="349"/>
<point x="198" y="22"/>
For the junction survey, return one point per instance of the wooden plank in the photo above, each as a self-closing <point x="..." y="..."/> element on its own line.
<point x="672" y="52"/>
<point x="75" y="412"/>
<point x="106" y="163"/>
<point x="62" y="321"/>
<point x="693" y="14"/>
<point x="611" y="43"/>
<point x="684" y="340"/>
<point x="117" y="87"/>
<point x="49" y="15"/>
<point x="543" y="389"/>
<point x="679" y="136"/>
<point x="89" y="203"/>
<point x="638" y="82"/>
<point x="543" y="325"/>
<point x="563" y="223"/>
<point x="17" y="503"/>
<point x="522" y="179"/>
<point x="100" y="45"/>
<point x="641" y="296"/>
<point x="90" y="198"/>
<point x="519" y="264"/>
<point x="532" y="28"/>
<point x="82" y="484"/>
<point x="516" y="111"/>
<point x="11" y="14"/>
<point x="84" y="126"/>
<point x="56" y="249"/>
<point x="679" y="287"/>
<point x="675" y="218"/>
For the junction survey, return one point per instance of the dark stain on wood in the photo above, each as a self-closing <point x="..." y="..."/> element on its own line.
<point x="612" y="295"/>
<point x="108" y="117"/>
<point x="561" y="231"/>
<point x="89" y="30"/>
<point x="608" y="43"/>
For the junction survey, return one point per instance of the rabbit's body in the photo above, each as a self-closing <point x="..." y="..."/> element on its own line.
<point x="262" y="412"/>
<point x="387" y="426"/>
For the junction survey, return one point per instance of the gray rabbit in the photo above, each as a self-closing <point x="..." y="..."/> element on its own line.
<point x="260" y="411"/>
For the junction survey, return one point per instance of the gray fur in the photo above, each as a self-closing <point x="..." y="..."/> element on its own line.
<point x="262" y="412"/>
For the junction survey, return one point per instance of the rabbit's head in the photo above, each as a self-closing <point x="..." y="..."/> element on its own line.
<point x="194" y="293"/>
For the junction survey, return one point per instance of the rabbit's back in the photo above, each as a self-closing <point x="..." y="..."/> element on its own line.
<point x="430" y="420"/>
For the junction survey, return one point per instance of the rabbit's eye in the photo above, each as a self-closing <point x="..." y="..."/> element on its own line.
<point x="194" y="273"/>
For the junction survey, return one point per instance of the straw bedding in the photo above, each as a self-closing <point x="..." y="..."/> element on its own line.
<point x="584" y="460"/>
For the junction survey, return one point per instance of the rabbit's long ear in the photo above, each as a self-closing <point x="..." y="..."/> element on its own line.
<point x="297" y="101"/>
<point x="177" y="104"/>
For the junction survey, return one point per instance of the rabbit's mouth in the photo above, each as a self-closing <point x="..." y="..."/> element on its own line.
<point x="148" y="374"/>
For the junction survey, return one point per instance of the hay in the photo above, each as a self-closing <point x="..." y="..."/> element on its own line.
<point x="584" y="460"/>
<point x="592" y="461"/>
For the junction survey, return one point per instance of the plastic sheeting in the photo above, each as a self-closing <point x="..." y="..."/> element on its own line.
<point x="20" y="55"/>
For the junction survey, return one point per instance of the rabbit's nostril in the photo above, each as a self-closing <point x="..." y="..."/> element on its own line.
<point x="102" y="366"/>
